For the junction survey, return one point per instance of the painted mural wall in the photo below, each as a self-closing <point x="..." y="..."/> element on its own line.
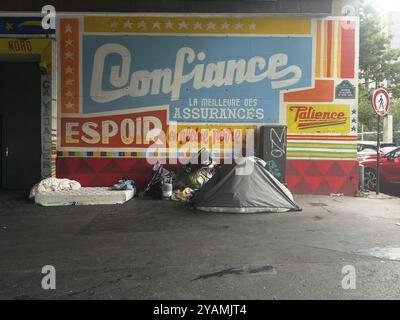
<point x="124" y="80"/>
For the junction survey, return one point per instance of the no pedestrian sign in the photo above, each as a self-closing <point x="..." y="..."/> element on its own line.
<point x="381" y="102"/>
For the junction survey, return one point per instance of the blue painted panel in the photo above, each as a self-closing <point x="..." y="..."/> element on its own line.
<point x="253" y="98"/>
<point x="23" y="25"/>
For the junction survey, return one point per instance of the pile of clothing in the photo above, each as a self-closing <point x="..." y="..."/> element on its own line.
<point x="183" y="185"/>
<point x="184" y="195"/>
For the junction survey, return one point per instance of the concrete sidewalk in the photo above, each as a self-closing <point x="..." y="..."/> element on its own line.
<point x="150" y="249"/>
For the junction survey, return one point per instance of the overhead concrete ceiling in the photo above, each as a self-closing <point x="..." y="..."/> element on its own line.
<point x="197" y="6"/>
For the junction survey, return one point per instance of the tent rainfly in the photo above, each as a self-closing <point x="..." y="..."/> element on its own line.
<point x="245" y="186"/>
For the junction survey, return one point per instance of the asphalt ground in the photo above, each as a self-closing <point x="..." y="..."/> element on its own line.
<point x="153" y="249"/>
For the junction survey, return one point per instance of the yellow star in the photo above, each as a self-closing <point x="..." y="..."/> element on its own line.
<point x="9" y="26"/>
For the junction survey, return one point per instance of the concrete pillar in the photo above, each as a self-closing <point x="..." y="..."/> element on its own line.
<point x="388" y="128"/>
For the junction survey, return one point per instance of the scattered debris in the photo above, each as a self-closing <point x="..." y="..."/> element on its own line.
<point x="184" y="196"/>
<point x="244" y="186"/>
<point x="181" y="186"/>
<point x="361" y="194"/>
<point x="336" y="194"/>
<point x="380" y="196"/>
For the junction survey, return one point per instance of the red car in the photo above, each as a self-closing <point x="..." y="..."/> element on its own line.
<point x="389" y="169"/>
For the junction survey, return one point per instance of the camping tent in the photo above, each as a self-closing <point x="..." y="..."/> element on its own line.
<point x="244" y="186"/>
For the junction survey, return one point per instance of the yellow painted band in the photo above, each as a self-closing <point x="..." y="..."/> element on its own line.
<point x="197" y="25"/>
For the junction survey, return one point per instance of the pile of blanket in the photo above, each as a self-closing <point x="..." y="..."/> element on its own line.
<point x="54" y="184"/>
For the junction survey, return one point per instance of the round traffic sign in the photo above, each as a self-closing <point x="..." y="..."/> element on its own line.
<point x="381" y="102"/>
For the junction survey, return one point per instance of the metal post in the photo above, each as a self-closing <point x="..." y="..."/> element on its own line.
<point x="378" y="154"/>
<point x="362" y="132"/>
<point x="361" y="169"/>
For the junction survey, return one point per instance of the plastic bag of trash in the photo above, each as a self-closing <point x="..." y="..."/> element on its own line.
<point x="124" y="185"/>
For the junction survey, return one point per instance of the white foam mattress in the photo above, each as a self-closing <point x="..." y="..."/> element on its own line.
<point x="84" y="196"/>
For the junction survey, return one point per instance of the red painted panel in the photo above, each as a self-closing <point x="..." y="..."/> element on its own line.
<point x="104" y="172"/>
<point x="112" y="131"/>
<point x="335" y="176"/>
<point x="348" y="49"/>
<point x="329" y="48"/>
<point x="303" y="178"/>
